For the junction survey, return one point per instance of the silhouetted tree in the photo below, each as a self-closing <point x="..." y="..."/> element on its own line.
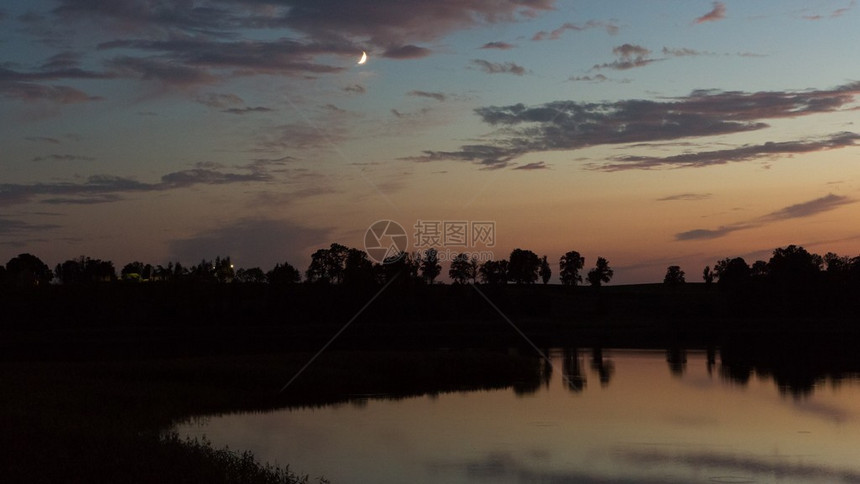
<point x="732" y="273"/>
<point x="224" y="271"/>
<point x="136" y="271"/>
<point x="327" y="265"/>
<point x="28" y="270"/>
<point x="85" y="270"/>
<point x="545" y="270"/>
<point x="569" y="266"/>
<point x="254" y="275"/>
<point x="674" y="276"/>
<point x="3" y="275"/>
<point x="404" y="266"/>
<point x="758" y="270"/>
<point x="793" y="267"/>
<point x="601" y="273"/>
<point x="357" y="268"/>
<point x="708" y="275"/>
<point x="523" y="267"/>
<point x="494" y="272"/>
<point x="429" y="264"/>
<point x="283" y="274"/>
<point x="463" y="269"/>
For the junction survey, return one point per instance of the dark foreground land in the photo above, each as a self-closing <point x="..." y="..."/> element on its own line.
<point x="93" y="376"/>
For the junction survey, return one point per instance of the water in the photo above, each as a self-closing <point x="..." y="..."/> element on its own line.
<point x="615" y="416"/>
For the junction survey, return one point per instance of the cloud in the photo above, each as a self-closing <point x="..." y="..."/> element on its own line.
<point x="556" y="34"/>
<point x="220" y="101"/>
<point x="537" y="165"/>
<point x="629" y="56"/>
<point x="594" y="78"/>
<point x="684" y="52"/>
<point x="107" y="188"/>
<point x="808" y="209"/>
<point x="569" y="125"/>
<point x="167" y="72"/>
<point x="253" y="243"/>
<point x="717" y="13"/>
<point x="355" y="89"/>
<point x="247" y="110"/>
<point x="32" y="92"/>
<point x="432" y="95"/>
<point x="498" y="45"/>
<point x="43" y="139"/>
<point x="406" y="52"/>
<point x="65" y="157"/>
<point x="490" y="157"/>
<point x="800" y="210"/>
<point x="10" y="227"/>
<point x="720" y="157"/>
<point x="499" y="68"/>
<point x="685" y="197"/>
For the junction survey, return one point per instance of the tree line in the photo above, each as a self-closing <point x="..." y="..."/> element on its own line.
<point x="337" y="264"/>
<point x="791" y="267"/>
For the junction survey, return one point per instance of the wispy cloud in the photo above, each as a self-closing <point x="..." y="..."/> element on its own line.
<point x="537" y="165"/>
<point x="109" y="188"/>
<point x="629" y="56"/>
<point x="432" y="95"/>
<point x="247" y="110"/>
<point x="611" y="28"/>
<point x="721" y="157"/>
<point x="497" y="45"/>
<point x="685" y="197"/>
<point x="569" y="125"/>
<point x="799" y="210"/>
<point x="499" y="68"/>
<point x="716" y="13"/>
<point x="64" y="157"/>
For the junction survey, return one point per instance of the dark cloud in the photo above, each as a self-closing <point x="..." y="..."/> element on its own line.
<point x="400" y="22"/>
<point x="685" y="197"/>
<point x="199" y="61"/>
<point x="497" y="45"/>
<point x="65" y="157"/>
<point x="717" y="13"/>
<point x="247" y="110"/>
<point x="629" y="56"/>
<point x="32" y="92"/>
<point x="253" y="243"/>
<point x="432" y="95"/>
<point x="800" y="210"/>
<point x="43" y="139"/>
<point x="499" y="68"/>
<point x="169" y="73"/>
<point x="568" y="125"/>
<point x="537" y="165"/>
<point x="556" y="34"/>
<point x="355" y="88"/>
<point x="406" y="52"/>
<point x="594" y="78"/>
<point x="220" y="101"/>
<point x="684" y="52"/>
<point x="15" y="227"/>
<point x="107" y="188"/>
<point x="720" y="157"/>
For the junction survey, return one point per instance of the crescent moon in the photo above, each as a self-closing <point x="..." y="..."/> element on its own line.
<point x="363" y="58"/>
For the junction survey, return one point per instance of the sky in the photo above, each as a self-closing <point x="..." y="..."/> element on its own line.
<point x="651" y="133"/>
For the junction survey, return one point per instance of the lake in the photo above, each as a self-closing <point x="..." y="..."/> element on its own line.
<point x="601" y="416"/>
